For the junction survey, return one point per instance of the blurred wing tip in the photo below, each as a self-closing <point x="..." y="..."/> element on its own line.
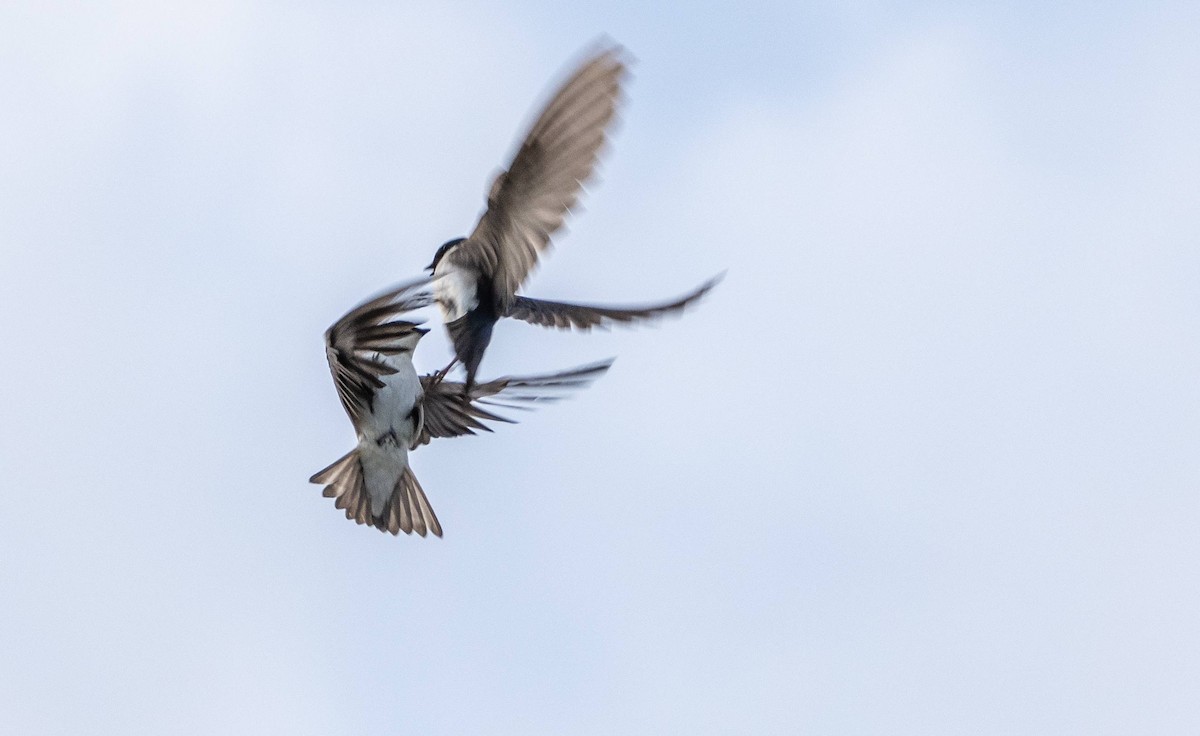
<point x="595" y="369"/>
<point x="605" y="46"/>
<point x="513" y="407"/>
<point x="708" y="286"/>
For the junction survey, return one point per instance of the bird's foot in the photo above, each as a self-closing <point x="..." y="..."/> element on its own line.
<point x="439" y="376"/>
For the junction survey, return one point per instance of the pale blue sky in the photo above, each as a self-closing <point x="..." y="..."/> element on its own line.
<point x="925" y="463"/>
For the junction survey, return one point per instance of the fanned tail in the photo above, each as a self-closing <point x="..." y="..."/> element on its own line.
<point x="406" y="510"/>
<point x="343" y="481"/>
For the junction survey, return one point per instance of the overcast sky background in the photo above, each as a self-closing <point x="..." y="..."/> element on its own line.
<point x="926" y="462"/>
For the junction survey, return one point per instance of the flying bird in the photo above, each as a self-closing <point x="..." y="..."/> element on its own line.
<point x="476" y="278"/>
<point x="394" y="410"/>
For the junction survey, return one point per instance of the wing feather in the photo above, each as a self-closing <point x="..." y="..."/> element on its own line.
<point x="584" y="317"/>
<point x="450" y="413"/>
<point x="530" y="200"/>
<point x="355" y="343"/>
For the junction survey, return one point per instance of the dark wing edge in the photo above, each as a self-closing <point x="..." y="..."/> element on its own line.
<point x="355" y="343"/>
<point x="449" y="413"/>
<point x="565" y="316"/>
<point x="528" y="203"/>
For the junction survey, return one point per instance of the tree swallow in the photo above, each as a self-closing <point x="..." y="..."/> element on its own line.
<point x="476" y="278"/>
<point x="394" y="410"/>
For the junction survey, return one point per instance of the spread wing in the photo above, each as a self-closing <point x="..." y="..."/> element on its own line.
<point x="530" y="200"/>
<point x="448" y="413"/>
<point x="584" y="317"/>
<point x="356" y="345"/>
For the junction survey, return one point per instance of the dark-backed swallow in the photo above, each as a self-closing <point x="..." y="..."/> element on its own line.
<point x="476" y="278"/>
<point x="393" y="410"/>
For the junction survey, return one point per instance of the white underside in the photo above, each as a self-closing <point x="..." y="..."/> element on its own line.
<point x="382" y="468"/>
<point x="454" y="289"/>
<point x="384" y="462"/>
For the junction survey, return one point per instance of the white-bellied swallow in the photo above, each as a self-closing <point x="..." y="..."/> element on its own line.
<point x="477" y="277"/>
<point x="394" y="410"/>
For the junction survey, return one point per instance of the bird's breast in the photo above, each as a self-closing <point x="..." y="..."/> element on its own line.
<point x="392" y="409"/>
<point x="455" y="289"/>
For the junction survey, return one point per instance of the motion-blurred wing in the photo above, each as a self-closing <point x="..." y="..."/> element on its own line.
<point x="356" y="344"/>
<point x="530" y="200"/>
<point x="584" y="317"/>
<point x="448" y="413"/>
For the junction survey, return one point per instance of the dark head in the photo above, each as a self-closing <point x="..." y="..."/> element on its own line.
<point x="441" y="252"/>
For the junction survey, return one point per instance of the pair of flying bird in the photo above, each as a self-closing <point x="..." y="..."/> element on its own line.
<point x="474" y="281"/>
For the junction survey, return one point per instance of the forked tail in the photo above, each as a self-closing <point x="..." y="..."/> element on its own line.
<point x="407" y="509"/>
